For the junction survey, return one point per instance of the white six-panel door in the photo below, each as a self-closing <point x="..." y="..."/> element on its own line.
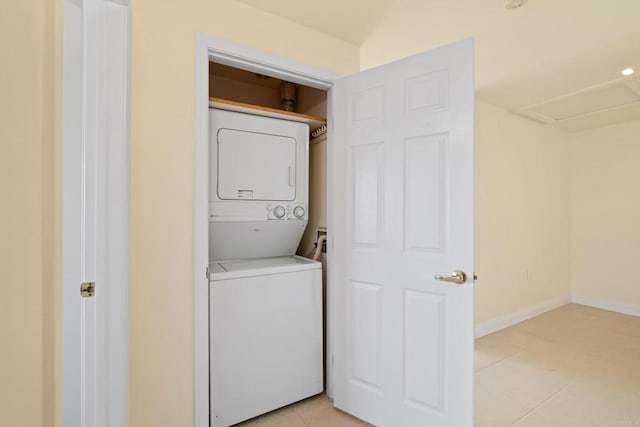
<point x="402" y="193"/>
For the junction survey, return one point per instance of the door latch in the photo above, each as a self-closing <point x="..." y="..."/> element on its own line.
<point x="87" y="289"/>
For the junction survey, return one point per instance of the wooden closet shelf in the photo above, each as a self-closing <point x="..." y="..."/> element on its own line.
<point x="314" y="122"/>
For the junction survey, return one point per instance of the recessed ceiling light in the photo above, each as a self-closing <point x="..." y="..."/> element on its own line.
<point x="627" y="71"/>
<point x="514" y="4"/>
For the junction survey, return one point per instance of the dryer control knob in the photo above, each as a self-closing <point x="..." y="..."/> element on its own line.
<point x="298" y="211"/>
<point x="279" y="212"/>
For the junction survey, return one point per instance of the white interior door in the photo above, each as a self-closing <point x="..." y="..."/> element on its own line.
<point x="95" y="212"/>
<point x="402" y="152"/>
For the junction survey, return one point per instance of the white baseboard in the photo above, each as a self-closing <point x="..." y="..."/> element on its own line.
<point x="618" y="307"/>
<point x="504" y="321"/>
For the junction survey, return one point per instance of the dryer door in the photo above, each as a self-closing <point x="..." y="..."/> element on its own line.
<point x="256" y="166"/>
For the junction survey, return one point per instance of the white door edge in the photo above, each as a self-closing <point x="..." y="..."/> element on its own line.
<point x="228" y="53"/>
<point x="118" y="200"/>
<point x="97" y="398"/>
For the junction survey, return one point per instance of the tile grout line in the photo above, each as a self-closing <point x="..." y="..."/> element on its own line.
<point x="303" y="420"/>
<point x="489" y="365"/>
<point x="509" y="357"/>
<point x="542" y="402"/>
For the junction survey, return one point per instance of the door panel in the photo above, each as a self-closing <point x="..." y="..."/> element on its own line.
<point x="367" y="200"/>
<point x="365" y="321"/>
<point x="423" y="331"/>
<point x="404" y="349"/>
<point x="425" y="197"/>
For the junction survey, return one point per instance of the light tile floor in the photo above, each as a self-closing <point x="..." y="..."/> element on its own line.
<point x="573" y="366"/>
<point x="316" y="411"/>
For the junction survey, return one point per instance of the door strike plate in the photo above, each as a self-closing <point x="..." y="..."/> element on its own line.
<point x="87" y="289"/>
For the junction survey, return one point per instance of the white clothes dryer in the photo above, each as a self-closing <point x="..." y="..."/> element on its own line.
<point x="258" y="185"/>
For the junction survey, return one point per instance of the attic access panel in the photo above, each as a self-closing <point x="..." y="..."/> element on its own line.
<point x="599" y="105"/>
<point x="588" y="102"/>
<point x="256" y="166"/>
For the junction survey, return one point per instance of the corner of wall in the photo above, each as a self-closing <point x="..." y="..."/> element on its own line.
<point x="522" y="217"/>
<point x="605" y="235"/>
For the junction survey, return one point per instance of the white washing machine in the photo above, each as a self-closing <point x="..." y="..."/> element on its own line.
<point x="266" y="335"/>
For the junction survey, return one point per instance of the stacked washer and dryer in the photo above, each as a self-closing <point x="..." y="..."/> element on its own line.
<point x="265" y="302"/>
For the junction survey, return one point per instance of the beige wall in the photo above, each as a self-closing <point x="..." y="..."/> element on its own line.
<point x="29" y="226"/>
<point x="522" y="226"/>
<point x="606" y="213"/>
<point x="162" y="121"/>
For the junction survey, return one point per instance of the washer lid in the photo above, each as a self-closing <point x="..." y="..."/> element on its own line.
<point x="260" y="266"/>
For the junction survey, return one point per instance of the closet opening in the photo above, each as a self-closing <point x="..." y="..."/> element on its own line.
<point x="238" y="96"/>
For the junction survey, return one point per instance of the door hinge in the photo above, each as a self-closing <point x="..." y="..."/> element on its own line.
<point x="87" y="289"/>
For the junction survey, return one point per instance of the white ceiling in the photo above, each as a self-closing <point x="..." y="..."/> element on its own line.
<point x="545" y="50"/>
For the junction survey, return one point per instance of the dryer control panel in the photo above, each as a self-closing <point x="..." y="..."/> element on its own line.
<point x="258" y="211"/>
<point x="286" y="212"/>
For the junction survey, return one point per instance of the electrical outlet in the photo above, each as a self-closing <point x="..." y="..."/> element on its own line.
<point x="322" y="232"/>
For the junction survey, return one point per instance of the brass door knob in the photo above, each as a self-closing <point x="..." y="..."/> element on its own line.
<point x="458" y="277"/>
